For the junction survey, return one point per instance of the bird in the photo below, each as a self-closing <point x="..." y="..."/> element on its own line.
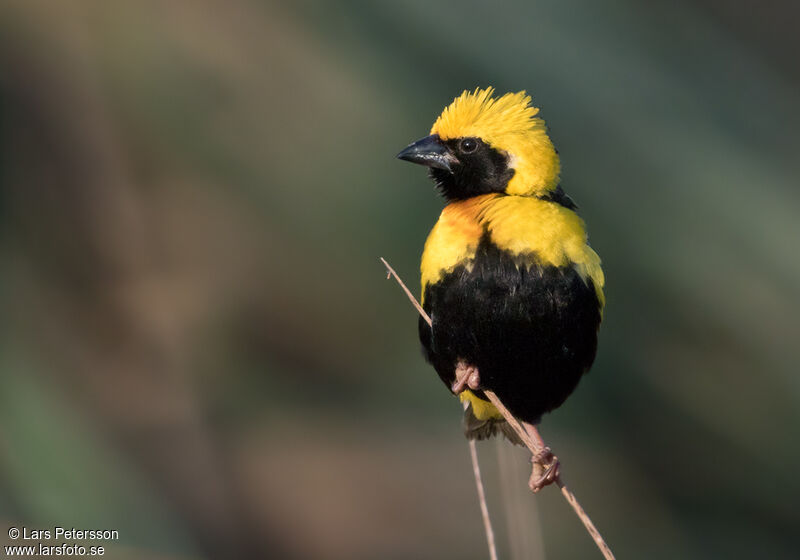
<point x="513" y="289"/>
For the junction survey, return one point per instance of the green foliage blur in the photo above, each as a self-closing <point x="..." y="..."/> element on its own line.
<point x="200" y="348"/>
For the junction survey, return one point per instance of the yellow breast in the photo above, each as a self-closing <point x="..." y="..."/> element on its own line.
<point x="524" y="226"/>
<point x="552" y="234"/>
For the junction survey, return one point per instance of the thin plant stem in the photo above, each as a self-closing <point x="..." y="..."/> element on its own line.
<point x="487" y="521"/>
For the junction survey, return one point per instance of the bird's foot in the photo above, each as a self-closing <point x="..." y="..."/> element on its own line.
<point x="466" y="376"/>
<point x="546" y="469"/>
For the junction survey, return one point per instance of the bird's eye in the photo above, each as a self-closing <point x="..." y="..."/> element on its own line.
<point x="468" y="145"/>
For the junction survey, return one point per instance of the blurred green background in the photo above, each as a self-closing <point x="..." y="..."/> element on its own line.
<point x="199" y="347"/>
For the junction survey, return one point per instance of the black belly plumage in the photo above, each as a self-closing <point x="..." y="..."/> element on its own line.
<point x="529" y="328"/>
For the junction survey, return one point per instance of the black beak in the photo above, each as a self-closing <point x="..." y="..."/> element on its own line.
<point x="431" y="152"/>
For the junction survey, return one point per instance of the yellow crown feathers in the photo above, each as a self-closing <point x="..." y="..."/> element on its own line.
<point x="479" y="114"/>
<point x="508" y="123"/>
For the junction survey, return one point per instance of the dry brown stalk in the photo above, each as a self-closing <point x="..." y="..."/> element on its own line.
<point x="487" y="521"/>
<point x="534" y="444"/>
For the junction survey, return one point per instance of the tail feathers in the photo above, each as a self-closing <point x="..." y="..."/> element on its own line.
<point x="484" y="429"/>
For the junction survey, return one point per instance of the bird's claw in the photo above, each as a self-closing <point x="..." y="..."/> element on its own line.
<point x="546" y="469"/>
<point x="466" y="376"/>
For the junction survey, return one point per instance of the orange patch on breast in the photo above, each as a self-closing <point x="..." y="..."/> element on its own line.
<point x="454" y="238"/>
